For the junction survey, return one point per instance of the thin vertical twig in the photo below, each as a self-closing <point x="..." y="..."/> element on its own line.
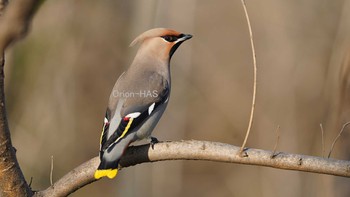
<point x="336" y="139"/>
<point x="255" y="76"/>
<point x="51" y="171"/>
<point x="277" y="140"/>
<point x="30" y="182"/>
<point x="322" y="135"/>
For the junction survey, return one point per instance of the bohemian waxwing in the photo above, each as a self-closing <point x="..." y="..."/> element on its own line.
<point x="139" y="97"/>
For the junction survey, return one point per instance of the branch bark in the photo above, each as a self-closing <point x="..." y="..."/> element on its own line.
<point x="14" y="23"/>
<point x="12" y="182"/>
<point x="198" y="150"/>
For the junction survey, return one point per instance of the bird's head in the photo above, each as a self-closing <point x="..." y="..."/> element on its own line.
<point x="160" y="42"/>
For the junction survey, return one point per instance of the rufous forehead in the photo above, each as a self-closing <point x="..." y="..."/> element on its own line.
<point x="160" y="32"/>
<point x="170" y="32"/>
<point x="157" y="32"/>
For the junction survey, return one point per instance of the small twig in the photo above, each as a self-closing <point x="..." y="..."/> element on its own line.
<point x="277" y="140"/>
<point x="255" y="73"/>
<point x="51" y="171"/>
<point x="336" y="139"/>
<point x="30" y="182"/>
<point x="322" y="135"/>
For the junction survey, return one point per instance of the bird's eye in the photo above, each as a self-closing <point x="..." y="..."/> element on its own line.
<point x="170" y="38"/>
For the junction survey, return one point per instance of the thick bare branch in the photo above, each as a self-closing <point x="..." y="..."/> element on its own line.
<point x="12" y="182"/>
<point x="14" y="22"/>
<point x="199" y="150"/>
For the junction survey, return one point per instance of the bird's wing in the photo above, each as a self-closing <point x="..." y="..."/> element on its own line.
<point x="136" y="109"/>
<point x="111" y="105"/>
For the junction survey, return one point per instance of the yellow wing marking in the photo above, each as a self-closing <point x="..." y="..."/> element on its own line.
<point x="126" y="129"/>
<point x="103" y="131"/>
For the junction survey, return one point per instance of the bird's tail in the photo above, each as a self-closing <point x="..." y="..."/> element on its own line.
<point x="108" y="172"/>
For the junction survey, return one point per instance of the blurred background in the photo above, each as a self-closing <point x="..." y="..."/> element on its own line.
<point x="60" y="76"/>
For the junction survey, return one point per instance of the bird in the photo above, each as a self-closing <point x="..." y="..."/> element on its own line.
<point x="139" y="97"/>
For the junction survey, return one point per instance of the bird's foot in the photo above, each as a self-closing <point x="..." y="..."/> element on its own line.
<point x="153" y="141"/>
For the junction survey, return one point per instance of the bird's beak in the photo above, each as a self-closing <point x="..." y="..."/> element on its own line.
<point x="185" y="37"/>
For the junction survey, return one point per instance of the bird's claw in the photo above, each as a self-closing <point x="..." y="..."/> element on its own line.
<point x="153" y="142"/>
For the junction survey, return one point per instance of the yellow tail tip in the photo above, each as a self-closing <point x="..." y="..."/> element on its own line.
<point x="110" y="173"/>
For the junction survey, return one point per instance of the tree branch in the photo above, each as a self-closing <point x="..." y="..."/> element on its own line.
<point x="12" y="182"/>
<point x="14" y="22"/>
<point x="198" y="150"/>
